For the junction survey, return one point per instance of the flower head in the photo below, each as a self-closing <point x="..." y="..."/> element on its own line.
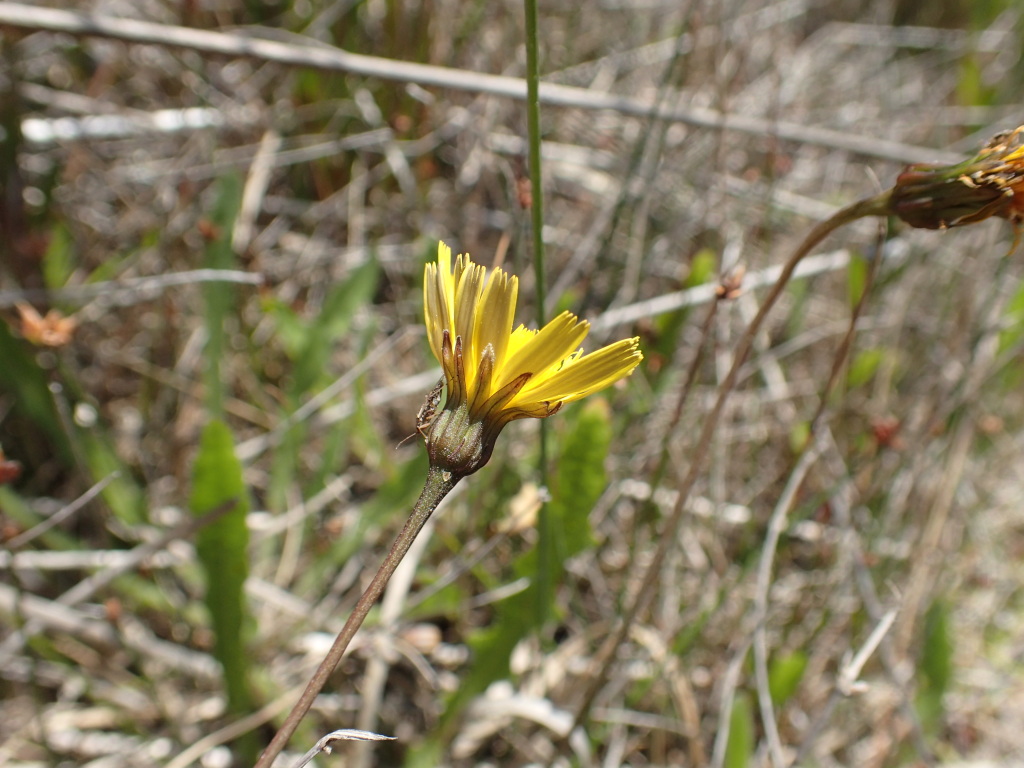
<point x="54" y="330"/>
<point x="989" y="184"/>
<point x="494" y="374"/>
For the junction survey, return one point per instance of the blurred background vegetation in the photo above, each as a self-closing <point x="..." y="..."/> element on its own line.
<point x="140" y="391"/>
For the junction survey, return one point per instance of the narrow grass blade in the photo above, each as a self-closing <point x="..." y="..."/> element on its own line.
<point x="223" y="553"/>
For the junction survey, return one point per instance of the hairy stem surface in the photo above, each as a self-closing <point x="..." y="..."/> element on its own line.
<point x="438" y="485"/>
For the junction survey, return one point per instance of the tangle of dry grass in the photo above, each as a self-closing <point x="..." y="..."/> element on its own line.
<point x="681" y="140"/>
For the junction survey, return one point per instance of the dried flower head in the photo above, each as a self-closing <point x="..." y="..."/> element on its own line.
<point x="54" y="330"/>
<point x="989" y="184"/>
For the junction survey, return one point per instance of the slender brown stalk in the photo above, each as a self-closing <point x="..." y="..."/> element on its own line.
<point x="439" y="484"/>
<point x="684" y="395"/>
<point x="843" y="353"/>
<point x="778" y="521"/>
<point x="872" y="206"/>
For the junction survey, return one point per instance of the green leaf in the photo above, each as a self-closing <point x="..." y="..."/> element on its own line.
<point x="16" y="509"/>
<point x="856" y="279"/>
<point x="799" y="436"/>
<point x="364" y="438"/>
<point x="702" y="268"/>
<point x="219" y="296"/>
<point x="937" y="659"/>
<point x="125" y="498"/>
<point x="740" y="748"/>
<point x="21" y="376"/>
<point x="578" y="484"/>
<point x="310" y="346"/>
<point x="670" y="325"/>
<point x="291" y="332"/>
<point x="1012" y="333"/>
<point x="59" y="259"/>
<point x="223" y="552"/>
<point x="784" y="676"/>
<point x="971" y="89"/>
<point x="864" y="366"/>
<point x="936" y="665"/>
<point x="799" y="291"/>
<point x="115" y="263"/>
<point x="333" y="321"/>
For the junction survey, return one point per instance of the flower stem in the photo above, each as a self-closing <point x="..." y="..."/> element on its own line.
<point x="439" y="484"/>
<point x="871" y="206"/>
<point x="545" y="549"/>
<point x="533" y="130"/>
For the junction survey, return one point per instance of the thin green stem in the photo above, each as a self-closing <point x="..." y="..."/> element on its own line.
<point x="873" y="206"/>
<point x="545" y="551"/>
<point x="438" y="485"/>
<point x="533" y="129"/>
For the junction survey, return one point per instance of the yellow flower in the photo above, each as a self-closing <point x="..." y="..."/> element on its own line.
<point x="494" y="374"/>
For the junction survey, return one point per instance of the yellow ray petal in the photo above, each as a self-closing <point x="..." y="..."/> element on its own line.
<point x="585" y="375"/>
<point x="497" y="311"/>
<point x="548" y="348"/>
